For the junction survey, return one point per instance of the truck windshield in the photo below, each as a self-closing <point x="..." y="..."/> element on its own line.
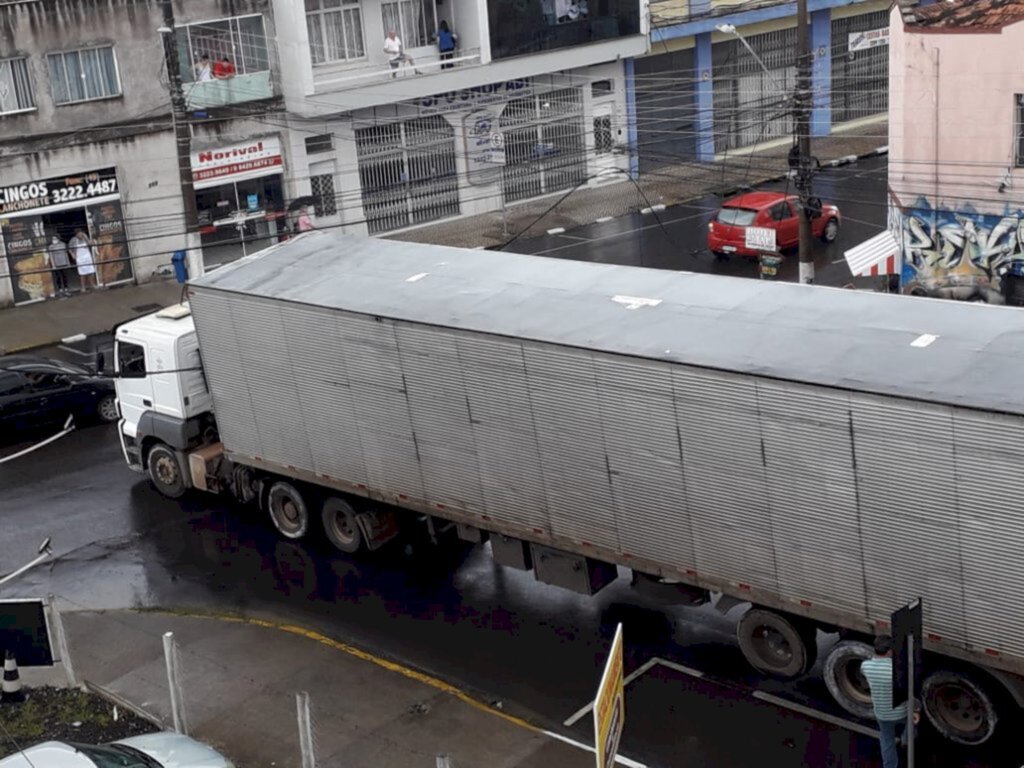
<point x="737" y="217"/>
<point x="131" y="359"/>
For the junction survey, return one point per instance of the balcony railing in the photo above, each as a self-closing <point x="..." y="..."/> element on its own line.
<point x="374" y="73"/>
<point x="207" y="94"/>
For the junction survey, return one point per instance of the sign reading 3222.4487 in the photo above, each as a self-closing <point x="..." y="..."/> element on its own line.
<point x="609" y="707"/>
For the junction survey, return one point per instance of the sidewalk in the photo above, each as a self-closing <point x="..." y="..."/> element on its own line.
<point x="240" y="680"/>
<point x="47" y="323"/>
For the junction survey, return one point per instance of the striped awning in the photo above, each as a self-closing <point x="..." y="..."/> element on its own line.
<point x="878" y="256"/>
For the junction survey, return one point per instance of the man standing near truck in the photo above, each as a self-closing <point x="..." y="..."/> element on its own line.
<point x="891" y="720"/>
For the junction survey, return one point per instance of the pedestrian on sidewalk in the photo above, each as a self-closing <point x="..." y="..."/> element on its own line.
<point x="891" y="720"/>
<point x="59" y="264"/>
<point x="303" y="223"/>
<point x="81" y="251"/>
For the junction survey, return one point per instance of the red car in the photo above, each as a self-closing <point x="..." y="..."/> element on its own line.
<point x="771" y="210"/>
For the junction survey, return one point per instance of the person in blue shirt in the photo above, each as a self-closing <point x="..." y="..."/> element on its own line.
<point x="891" y="720"/>
<point x="446" y="42"/>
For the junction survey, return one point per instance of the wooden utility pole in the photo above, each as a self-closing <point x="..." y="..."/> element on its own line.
<point x="805" y="162"/>
<point x="183" y="141"/>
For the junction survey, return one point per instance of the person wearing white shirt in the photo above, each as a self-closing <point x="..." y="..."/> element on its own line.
<point x="81" y="251"/>
<point x="204" y="71"/>
<point x="396" y="53"/>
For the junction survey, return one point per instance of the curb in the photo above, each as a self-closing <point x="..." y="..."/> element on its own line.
<point x="123" y="703"/>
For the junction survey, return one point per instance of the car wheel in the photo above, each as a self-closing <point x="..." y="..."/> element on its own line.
<point x="106" y="409"/>
<point x="831" y="231"/>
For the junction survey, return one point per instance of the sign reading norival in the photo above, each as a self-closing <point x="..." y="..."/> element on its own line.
<point x="610" y="706"/>
<point x="253" y="157"/>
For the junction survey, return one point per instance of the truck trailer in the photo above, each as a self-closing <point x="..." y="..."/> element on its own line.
<point x="823" y="456"/>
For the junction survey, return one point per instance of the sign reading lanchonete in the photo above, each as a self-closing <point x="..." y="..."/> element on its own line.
<point x="31" y="195"/>
<point x="609" y="707"/>
<point x="872" y="38"/>
<point x="249" y="159"/>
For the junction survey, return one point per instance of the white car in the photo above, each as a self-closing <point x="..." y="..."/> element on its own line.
<point x="154" y="750"/>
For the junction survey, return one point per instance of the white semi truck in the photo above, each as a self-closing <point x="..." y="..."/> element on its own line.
<point x="823" y="455"/>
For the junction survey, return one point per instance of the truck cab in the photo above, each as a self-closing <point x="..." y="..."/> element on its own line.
<point x="160" y="384"/>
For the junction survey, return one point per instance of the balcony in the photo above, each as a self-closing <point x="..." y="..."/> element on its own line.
<point x="428" y="61"/>
<point x="209" y="94"/>
<point x="518" y="28"/>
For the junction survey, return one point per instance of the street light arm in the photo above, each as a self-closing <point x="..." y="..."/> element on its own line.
<point x="730" y="29"/>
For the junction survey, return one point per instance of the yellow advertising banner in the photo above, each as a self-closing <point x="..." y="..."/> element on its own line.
<point x="609" y="707"/>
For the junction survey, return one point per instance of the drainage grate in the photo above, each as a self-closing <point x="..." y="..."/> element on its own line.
<point x="148" y="307"/>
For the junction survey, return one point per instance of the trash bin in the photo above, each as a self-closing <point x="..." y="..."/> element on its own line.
<point x="770" y="266"/>
<point x="180" y="267"/>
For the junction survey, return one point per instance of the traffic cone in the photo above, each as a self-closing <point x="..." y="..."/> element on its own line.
<point x="11" y="693"/>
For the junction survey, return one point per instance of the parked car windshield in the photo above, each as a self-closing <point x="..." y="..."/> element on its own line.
<point x="737" y="217"/>
<point x="115" y="756"/>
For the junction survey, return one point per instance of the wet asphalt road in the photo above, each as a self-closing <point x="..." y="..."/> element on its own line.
<point x="492" y="631"/>
<point x="677" y="237"/>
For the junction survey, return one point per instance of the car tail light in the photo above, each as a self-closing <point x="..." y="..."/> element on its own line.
<point x="711" y="226"/>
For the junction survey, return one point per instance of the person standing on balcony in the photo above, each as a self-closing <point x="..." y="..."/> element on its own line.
<point x="446" y="44"/>
<point x="396" y="53"/>
<point x="203" y="70"/>
<point x="224" y="69"/>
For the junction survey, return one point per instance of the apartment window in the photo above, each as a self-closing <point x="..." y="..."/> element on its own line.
<point x="322" y="187"/>
<point x="415" y="21"/>
<point x="84" y="75"/>
<point x="335" y="30"/>
<point x="601" y="88"/>
<point x="1019" y="129"/>
<point x="15" y="87"/>
<point x="242" y="40"/>
<point x="322" y="143"/>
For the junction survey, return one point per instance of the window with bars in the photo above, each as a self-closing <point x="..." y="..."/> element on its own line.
<point x="860" y="79"/>
<point x="322" y="143"/>
<point x="15" y="87"/>
<point x="545" y="144"/>
<point x="407" y="173"/>
<point x="322" y="187"/>
<point x="335" y="30"/>
<point x="415" y="21"/>
<point x="242" y="40"/>
<point x="84" y="75"/>
<point x="603" y="141"/>
<point x="1019" y="130"/>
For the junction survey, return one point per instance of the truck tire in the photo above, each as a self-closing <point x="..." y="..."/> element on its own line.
<point x="165" y="471"/>
<point x="776" y="644"/>
<point x="844" y="680"/>
<point x="288" y="511"/>
<point x="340" y="525"/>
<point x="960" y="705"/>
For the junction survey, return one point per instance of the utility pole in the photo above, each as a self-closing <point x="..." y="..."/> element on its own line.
<point x="804" y="160"/>
<point x="183" y="142"/>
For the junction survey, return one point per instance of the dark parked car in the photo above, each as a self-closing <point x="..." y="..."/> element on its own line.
<point x="37" y="392"/>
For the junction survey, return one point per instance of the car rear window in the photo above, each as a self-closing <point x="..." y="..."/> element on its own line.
<point x="737" y="217"/>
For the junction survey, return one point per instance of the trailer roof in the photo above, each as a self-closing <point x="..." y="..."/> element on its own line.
<point x="841" y="338"/>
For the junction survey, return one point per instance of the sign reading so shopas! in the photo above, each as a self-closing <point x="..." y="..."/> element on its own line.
<point x="237" y="159"/>
<point x="18" y="198"/>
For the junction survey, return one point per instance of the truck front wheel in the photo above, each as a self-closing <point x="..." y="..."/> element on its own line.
<point x="165" y="471"/>
<point x="341" y="525"/>
<point x="960" y="706"/>
<point x="776" y="644"/>
<point x="288" y="511"/>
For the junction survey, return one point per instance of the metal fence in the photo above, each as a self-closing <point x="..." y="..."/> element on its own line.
<point x="860" y="79"/>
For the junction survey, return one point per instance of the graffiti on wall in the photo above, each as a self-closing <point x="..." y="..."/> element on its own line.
<point x="960" y="254"/>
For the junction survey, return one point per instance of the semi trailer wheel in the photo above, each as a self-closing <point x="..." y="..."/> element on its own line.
<point x="341" y="526"/>
<point x="844" y="679"/>
<point x="165" y="471"/>
<point x="777" y="644"/>
<point x="287" y="510"/>
<point x="961" y="706"/>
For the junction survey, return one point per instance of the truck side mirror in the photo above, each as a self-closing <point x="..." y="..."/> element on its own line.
<point x="100" y="363"/>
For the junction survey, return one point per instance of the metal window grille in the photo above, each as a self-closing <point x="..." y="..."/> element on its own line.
<point x="603" y="142"/>
<point x="242" y="40"/>
<point x="415" y="21"/>
<point x="15" y="87"/>
<point x="407" y="173"/>
<point x="751" y="105"/>
<point x="322" y="143"/>
<point x="83" y="75"/>
<point x="666" y="109"/>
<point x="1019" y="129"/>
<point x="322" y="188"/>
<point x="335" y="30"/>
<point x="860" y="79"/>
<point x="545" y="144"/>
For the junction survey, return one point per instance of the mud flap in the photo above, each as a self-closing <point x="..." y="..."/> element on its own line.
<point x="378" y="528"/>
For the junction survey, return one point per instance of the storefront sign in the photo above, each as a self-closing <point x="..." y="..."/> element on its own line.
<point x="25" y="241"/>
<point x="494" y="93"/>
<point x="32" y="195"/>
<point x="485" y="144"/>
<point x="252" y="158"/>
<point x="862" y="41"/>
<point x="106" y="228"/>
